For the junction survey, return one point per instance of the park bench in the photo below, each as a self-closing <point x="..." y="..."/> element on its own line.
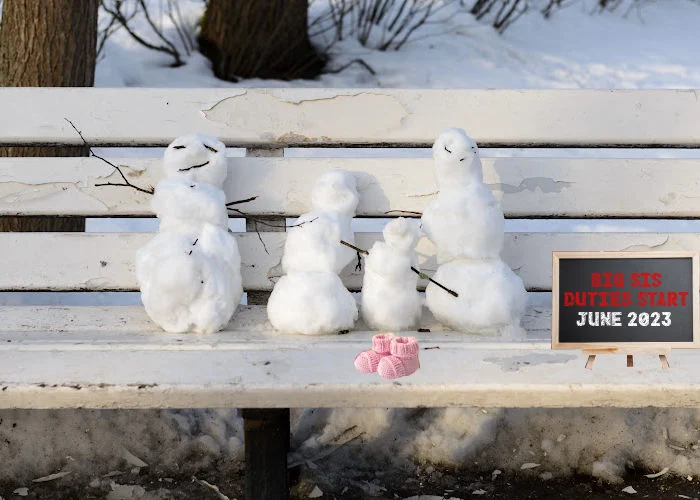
<point x="114" y="357"/>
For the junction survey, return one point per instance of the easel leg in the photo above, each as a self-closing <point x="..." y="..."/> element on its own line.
<point x="630" y="361"/>
<point x="664" y="362"/>
<point x="589" y="363"/>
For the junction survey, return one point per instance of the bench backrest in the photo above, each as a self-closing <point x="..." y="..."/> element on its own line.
<point x="269" y="119"/>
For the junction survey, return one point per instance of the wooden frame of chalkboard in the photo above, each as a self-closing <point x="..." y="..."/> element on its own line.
<point x="565" y="340"/>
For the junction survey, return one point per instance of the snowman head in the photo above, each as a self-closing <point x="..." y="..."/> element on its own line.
<point x="196" y="158"/>
<point x="456" y="156"/>
<point x="336" y="191"/>
<point x="401" y="234"/>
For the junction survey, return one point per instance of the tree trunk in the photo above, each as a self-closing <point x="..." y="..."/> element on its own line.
<point x="259" y="39"/>
<point x="47" y="43"/>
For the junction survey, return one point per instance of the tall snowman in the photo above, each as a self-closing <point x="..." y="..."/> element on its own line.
<point x="310" y="298"/>
<point x="190" y="272"/>
<point x="465" y="222"/>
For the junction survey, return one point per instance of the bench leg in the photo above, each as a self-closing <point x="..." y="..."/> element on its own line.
<point x="266" y="448"/>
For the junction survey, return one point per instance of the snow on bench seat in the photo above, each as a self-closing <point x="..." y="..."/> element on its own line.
<point x="114" y="357"/>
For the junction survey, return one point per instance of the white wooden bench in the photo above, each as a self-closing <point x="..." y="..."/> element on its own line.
<point x="114" y="357"/>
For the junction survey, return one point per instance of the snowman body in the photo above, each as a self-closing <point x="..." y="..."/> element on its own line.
<point x="491" y="297"/>
<point x="465" y="222"/>
<point x="390" y="300"/>
<point x="468" y="222"/>
<point x="313" y="244"/>
<point x="310" y="298"/>
<point x="189" y="273"/>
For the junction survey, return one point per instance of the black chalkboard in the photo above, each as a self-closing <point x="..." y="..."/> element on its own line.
<point x="624" y="297"/>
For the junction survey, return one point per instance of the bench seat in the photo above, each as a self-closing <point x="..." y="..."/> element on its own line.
<point x="114" y="357"/>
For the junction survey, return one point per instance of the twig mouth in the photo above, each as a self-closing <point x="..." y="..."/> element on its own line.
<point x="193" y="166"/>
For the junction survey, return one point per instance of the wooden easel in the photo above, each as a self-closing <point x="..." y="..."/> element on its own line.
<point x="592" y="353"/>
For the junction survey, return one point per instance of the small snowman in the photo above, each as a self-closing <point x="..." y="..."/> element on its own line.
<point x="190" y="272"/>
<point x="465" y="222"/>
<point x="310" y="298"/>
<point x="390" y="300"/>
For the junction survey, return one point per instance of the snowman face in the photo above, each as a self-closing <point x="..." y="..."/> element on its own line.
<point x="401" y="234"/>
<point x="455" y="146"/>
<point x="196" y="158"/>
<point x="336" y="191"/>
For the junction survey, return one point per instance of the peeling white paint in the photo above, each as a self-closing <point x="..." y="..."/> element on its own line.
<point x="525" y="186"/>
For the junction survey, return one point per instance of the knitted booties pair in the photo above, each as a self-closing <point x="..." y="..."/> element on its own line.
<point x="390" y="356"/>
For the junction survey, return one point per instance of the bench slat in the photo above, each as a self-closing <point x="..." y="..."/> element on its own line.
<point x="128" y="327"/>
<point x="105" y="261"/>
<point x="313" y="116"/>
<point x="113" y="357"/>
<point x="527" y="187"/>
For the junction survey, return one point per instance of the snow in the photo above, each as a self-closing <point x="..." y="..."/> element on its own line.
<point x="184" y="206"/>
<point x="311" y="303"/>
<point x="390" y="301"/>
<point x="190" y="272"/>
<point x="310" y="298"/>
<point x="642" y="47"/>
<point x="465" y="222"/>
<point x="650" y="47"/>
<point x="313" y="240"/>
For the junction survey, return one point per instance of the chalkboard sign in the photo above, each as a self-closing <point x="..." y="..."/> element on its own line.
<point x="603" y="300"/>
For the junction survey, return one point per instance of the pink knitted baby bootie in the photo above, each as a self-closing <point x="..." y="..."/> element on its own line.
<point x="367" y="361"/>
<point x="403" y="360"/>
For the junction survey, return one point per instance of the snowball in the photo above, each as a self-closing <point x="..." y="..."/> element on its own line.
<point x="465" y="219"/>
<point x="311" y="303"/>
<point x="491" y="296"/>
<point x="314" y="243"/>
<point x="184" y="206"/>
<point x="196" y="158"/>
<point x="390" y="300"/>
<point x="336" y="191"/>
<point x="190" y="285"/>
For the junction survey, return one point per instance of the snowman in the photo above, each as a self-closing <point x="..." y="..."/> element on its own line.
<point x="390" y="300"/>
<point x="465" y="222"/>
<point x="190" y="273"/>
<point x="310" y="298"/>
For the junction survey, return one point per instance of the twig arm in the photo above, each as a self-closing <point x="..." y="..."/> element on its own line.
<point x="426" y="277"/>
<point x="420" y="274"/>
<point x="357" y="249"/>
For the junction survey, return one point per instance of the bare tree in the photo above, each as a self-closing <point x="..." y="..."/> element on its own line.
<point x="47" y="43"/>
<point x="259" y="39"/>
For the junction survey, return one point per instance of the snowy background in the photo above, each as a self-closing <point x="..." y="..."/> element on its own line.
<point x="647" y="44"/>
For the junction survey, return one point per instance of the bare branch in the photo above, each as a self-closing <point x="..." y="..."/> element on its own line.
<point x="168" y="47"/>
<point x="420" y="274"/>
<point x="409" y="212"/>
<point x="92" y="153"/>
<point x="255" y="222"/>
<point x="354" y="61"/>
<point x="264" y="222"/>
<point x="238" y="202"/>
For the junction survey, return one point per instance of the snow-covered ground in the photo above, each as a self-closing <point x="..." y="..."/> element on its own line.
<point x="652" y="47"/>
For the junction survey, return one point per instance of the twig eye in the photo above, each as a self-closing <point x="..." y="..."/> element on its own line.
<point x="211" y="149"/>
<point x="447" y="150"/>
<point x="461" y="159"/>
<point x="179" y="147"/>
